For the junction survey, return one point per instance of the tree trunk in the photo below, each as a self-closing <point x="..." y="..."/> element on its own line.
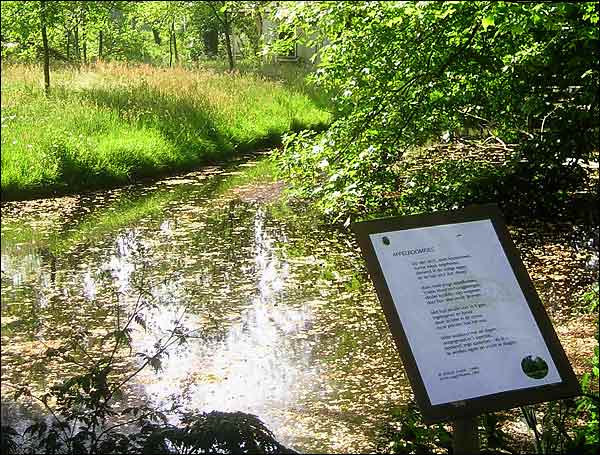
<point x="156" y="35"/>
<point x="100" y="44"/>
<point x="76" y="43"/>
<point x="259" y="24"/>
<point x="174" y="41"/>
<point x="69" y="45"/>
<point x="228" y="40"/>
<point x="84" y="45"/>
<point x="211" y="42"/>
<point x="46" y="49"/>
<point x="229" y="52"/>
<point x="259" y="33"/>
<point x="170" y="48"/>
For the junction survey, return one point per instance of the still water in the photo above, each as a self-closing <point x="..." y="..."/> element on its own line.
<point x="287" y="324"/>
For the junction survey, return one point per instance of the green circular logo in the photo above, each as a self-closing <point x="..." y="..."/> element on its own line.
<point x="385" y="241"/>
<point x="534" y="367"/>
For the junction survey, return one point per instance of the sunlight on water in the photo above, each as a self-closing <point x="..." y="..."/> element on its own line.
<point x="256" y="366"/>
<point x="20" y="263"/>
<point x="283" y="326"/>
<point x="120" y="265"/>
<point x="90" y="289"/>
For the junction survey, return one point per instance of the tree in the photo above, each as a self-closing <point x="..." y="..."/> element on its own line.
<point x="42" y="27"/>
<point x="28" y="25"/>
<point x="405" y="73"/>
<point x="44" y="30"/>
<point x="81" y="20"/>
<point x="243" y="16"/>
<point x="223" y="12"/>
<point x="164" y="16"/>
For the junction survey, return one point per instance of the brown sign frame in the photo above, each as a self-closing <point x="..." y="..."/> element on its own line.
<point x="569" y="387"/>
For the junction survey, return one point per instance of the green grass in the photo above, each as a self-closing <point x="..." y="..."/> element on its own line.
<point x="292" y="75"/>
<point x="113" y="123"/>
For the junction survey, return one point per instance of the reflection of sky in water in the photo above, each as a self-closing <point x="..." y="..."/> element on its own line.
<point x="259" y="362"/>
<point x="121" y="265"/>
<point x="22" y="266"/>
<point x="19" y="266"/>
<point x="90" y="289"/>
<point x="277" y="336"/>
<point x="256" y="365"/>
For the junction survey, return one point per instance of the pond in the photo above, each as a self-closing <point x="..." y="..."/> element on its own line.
<point x="289" y="325"/>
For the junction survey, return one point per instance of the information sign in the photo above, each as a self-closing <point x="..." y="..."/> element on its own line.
<point x="468" y="323"/>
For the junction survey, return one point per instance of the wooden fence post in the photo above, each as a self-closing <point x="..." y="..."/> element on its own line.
<point x="465" y="436"/>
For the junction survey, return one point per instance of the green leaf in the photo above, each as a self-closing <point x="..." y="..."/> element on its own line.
<point x="487" y="21"/>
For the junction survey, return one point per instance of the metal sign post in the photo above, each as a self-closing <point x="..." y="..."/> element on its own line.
<point x="472" y="332"/>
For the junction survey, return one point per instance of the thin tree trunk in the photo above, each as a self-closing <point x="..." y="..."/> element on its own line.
<point x="100" y="43"/>
<point x="174" y="41"/>
<point x="170" y="48"/>
<point x="156" y="34"/>
<point x="259" y="23"/>
<point x="227" y="28"/>
<point x="228" y="41"/>
<point x="69" y="45"/>
<point x="76" y="43"/>
<point x="46" y="49"/>
<point x="84" y="45"/>
<point x="259" y="32"/>
<point x="229" y="52"/>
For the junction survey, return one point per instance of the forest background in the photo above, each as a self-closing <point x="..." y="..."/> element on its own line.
<point x="405" y="107"/>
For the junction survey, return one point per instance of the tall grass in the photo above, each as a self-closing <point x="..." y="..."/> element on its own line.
<point x="291" y="74"/>
<point x="113" y="123"/>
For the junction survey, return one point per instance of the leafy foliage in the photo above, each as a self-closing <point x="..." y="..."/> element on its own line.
<point x="550" y="423"/>
<point x="436" y="182"/>
<point x="405" y="74"/>
<point x="569" y="426"/>
<point x="8" y="437"/>
<point x="406" y="433"/>
<point x="589" y="404"/>
<point x="212" y="432"/>
<point x="591" y="299"/>
<point x="160" y="32"/>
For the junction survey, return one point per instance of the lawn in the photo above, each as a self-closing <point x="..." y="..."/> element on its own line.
<point x="111" y="124"/>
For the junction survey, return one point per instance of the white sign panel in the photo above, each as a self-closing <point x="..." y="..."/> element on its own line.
<point x="467" y="321"/>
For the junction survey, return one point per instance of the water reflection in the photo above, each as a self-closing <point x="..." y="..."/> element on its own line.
<point x="20" y="262"/>
<point x="257" y="366"/>
<point x="278" y="333"/>
<point x="120" y="264"/>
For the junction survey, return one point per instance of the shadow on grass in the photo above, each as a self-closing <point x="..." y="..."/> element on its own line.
<point x="292" y="74"/>
<point x="190" y="129"/>
<point x="184" y="134"/>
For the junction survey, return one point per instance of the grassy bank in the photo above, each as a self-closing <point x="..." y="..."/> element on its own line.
<point x="113" y="123"/>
